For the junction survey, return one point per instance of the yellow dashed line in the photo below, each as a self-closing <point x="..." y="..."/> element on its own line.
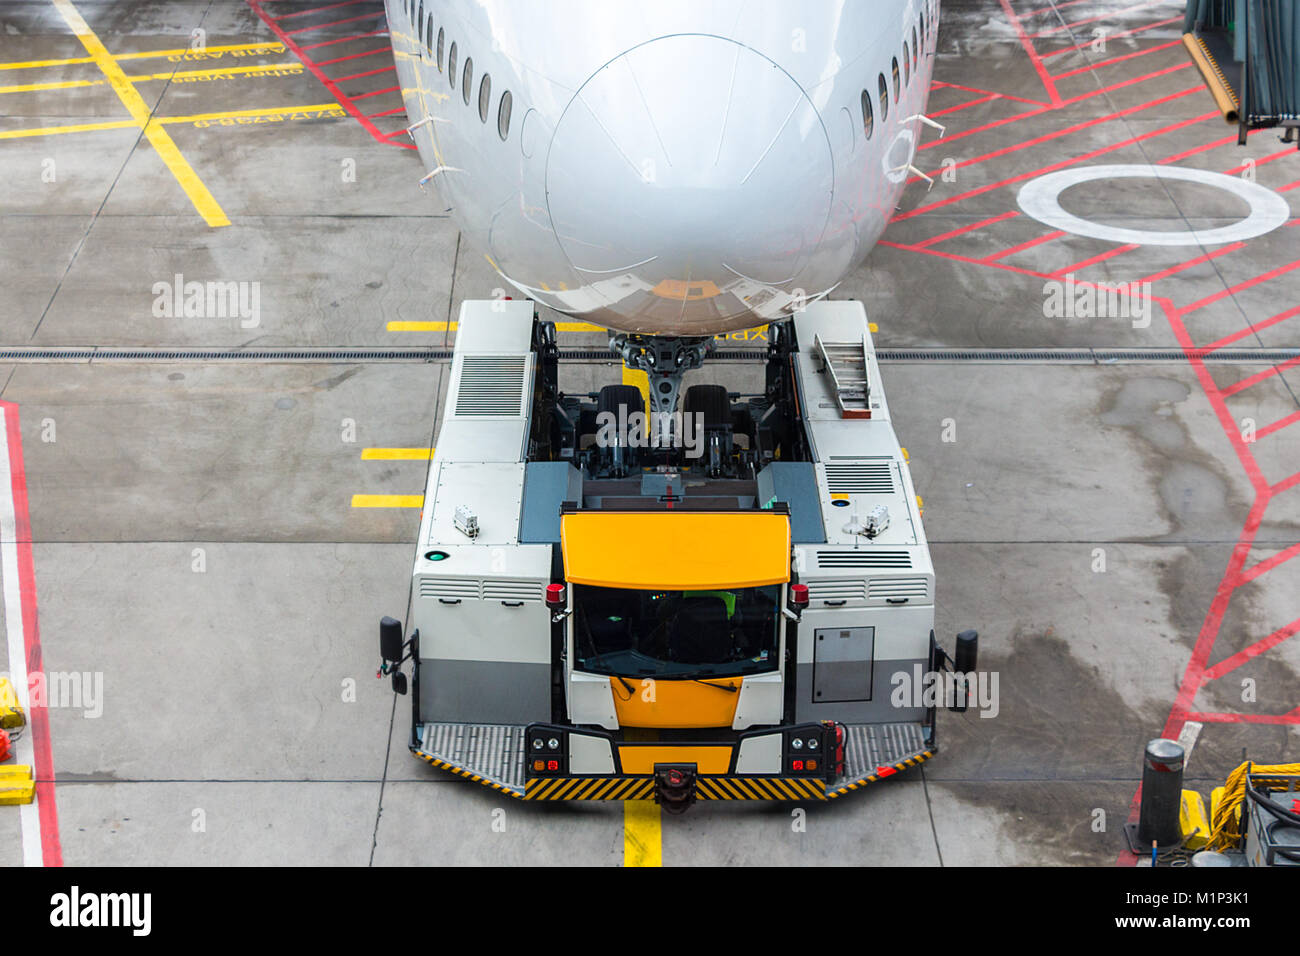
<point x="451" y="327"/>
<point x="63" y="85"/>
<point x="166" y="120"/>
<point x="198" y="193"/>
<point x="396" y="454"/>
<point x="388" y="501"/>
<point x="642" y="836"/>
<point x="142" y="77"/>
<point x="272" y="47"/>
<point x="79" y="128"/>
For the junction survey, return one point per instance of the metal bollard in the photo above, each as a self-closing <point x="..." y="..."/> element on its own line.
<point x="1162" y="788"/>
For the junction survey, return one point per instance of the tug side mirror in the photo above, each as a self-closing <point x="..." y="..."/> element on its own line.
<point x="968" y="643"/>
<point x="963" y="665"/>
<point x="390" y="639"/>
<point x="399" y="682"/>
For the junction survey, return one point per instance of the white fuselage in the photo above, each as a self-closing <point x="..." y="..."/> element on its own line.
<point x="672" y="168"/>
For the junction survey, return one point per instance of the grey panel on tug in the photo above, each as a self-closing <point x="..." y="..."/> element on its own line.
<point x="547" y="485"/>
<point x="795" y="483"/>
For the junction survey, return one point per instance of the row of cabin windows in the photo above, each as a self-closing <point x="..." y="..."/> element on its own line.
<point x="910" y="53"/>
<point x="432" y="49"/>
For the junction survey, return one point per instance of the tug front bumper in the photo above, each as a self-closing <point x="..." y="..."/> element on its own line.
<point x="552" y="762"/>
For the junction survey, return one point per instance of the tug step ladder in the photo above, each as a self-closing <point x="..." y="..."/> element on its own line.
<point x="845" y="363"/>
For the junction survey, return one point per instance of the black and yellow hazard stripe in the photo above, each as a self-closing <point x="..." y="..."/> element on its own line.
<point x="706" y="788"/>
<point x="590" y="788"/>
<point x="468" y="774"/>
<point x="914" y="760"/>
<point x="759" y="788"/>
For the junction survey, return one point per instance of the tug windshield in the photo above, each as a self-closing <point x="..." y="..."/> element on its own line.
<point x="676" y="634"/>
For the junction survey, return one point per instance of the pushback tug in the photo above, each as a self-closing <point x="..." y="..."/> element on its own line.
<point x="599" y="618"/>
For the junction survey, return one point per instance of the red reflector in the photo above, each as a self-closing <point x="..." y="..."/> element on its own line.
<point x="797" y="764"/>
<point x="799" y="595"/>
<point x="552" y="765"/>
<point x="886" y="771"/>
<point x="555" y="595"/>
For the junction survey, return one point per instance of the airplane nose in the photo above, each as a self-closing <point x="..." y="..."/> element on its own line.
<point x="690" y="168"/>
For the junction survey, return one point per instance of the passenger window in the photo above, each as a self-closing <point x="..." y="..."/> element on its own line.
<point x="440" y="37"/>
<point x="907" y="68"/>
<point x="868" y="120"/>
<point x="428" y="38"/>
<point x="467" y="79"/>
<point x="884" y="99"/>
<point x="914" y="48"/>
<point x="451" y="66"/>
<point x="897" y="87"/>
<point x="484" y="97"/>
<point x="503" y="115"/>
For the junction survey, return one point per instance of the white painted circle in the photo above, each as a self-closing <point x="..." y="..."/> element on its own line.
<point x="1040" y="198"/>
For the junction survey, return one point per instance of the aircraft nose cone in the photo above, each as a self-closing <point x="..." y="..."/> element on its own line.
<point x="690" y="169"/>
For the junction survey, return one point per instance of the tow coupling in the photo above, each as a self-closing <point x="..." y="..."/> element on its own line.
<point x="675" y="786"/>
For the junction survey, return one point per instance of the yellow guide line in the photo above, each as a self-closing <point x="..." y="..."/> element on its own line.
<point x="642" y="837"/>
<point x="388" y="501"/>
<point x="274" y="46"/>
<point x="197" y="117"/>
<point x="142" y="77"/>
<point x="451" y="326"/>
<point x="203" y="200"/>
<point x="396" y="454"/>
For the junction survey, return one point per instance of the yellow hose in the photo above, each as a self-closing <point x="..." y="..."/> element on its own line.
<point x="1225" y="825"/>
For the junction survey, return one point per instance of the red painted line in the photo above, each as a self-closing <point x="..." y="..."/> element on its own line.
<point x="1035" y="60"/>
<point x="966" y="105"/>
<point x="343" y="99"/>
<point x="1116" y="36"/>
<point x="1255" y="379"/>
<point x="1292" y="717"/>
<point x="1173" y="270"/>
<point x="334" y="23"/>
<point x="354" y="36"/>
<point x="303" y="13"/>
<point x="967" y="259"/>
<point x="1048" y="137"/>
<point x="1094" y="260"/>
<point x="1203" y="148"/>
<point x="388" y="89"/>
<point x="1253" y="651"/>
<point x="354" y="56"/>
<point x="1285" y="484"/>
<point x="941" y="85"/>
<point x="357" y="76"/>
<point x="39" y="718"/>
<point x="1278" y="425"/>
<point x="965" y="229"/>
<point x="1117" y="59"/>
<point x="1059" y="165"/>
<point x="1050" y="237"/>
<point x="1260" y="162"/>
<point x="1288" y="186"/>
<point x="1267" y="565"/>
<point x="1251" y="329"/>
<point x="1053" y="8"/>
<point x="1241" y="287"/>
<point x="395" y="109"/>
<point x="1101" y="16"/>
<point x="1133" y="81"/>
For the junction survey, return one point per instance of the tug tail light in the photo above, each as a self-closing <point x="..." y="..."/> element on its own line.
<point x="556" y="597"/>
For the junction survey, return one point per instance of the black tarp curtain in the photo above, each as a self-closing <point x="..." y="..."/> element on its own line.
<point x="1274" y="38"/>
